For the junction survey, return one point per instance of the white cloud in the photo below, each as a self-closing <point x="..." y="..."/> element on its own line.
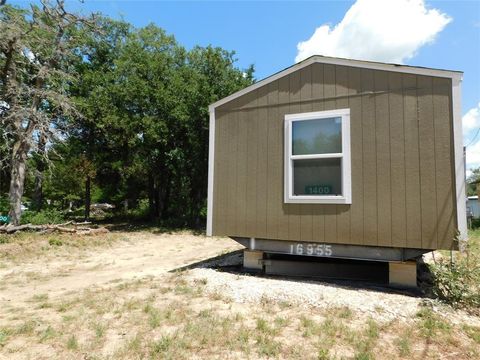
<point x="471" y="120"/>
<point x="468" y="173"/>
<point x="473" y="155"/>
<point x="471" y="126"/>
<point x="388" y="31"/>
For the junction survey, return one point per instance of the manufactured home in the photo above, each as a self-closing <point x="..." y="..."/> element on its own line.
<point x="473" y="207"/>
<point x="340" y="158"/>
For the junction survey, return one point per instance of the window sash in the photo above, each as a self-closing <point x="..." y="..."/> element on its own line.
<point x="317" y="156"/>
<point x="345" y="198"/>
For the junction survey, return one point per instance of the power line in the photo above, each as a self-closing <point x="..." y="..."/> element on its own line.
<point x="474" y="138"/>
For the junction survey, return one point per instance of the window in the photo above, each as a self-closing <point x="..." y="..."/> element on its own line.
<point x="317" y="157"/>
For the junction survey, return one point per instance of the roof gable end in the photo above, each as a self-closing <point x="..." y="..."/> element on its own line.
<point x="451" y="74"/>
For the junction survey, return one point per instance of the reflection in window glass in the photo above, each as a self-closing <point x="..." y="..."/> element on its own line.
<point x="317" y="136"/>
<point x="317" y="177"/>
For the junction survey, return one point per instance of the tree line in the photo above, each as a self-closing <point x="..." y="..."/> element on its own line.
<point x="93" y="109"/>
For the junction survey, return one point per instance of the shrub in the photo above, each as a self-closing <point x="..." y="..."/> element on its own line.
<point x="457" y="282"/>
<point x="475" y="223"/>
<point x="48" y="216"/>
<point x="55" y="242"/>
<point x="4" y="205"/>
<point x="141" y="211"/>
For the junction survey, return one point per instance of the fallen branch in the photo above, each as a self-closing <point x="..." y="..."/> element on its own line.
<point x="46" y="229"/>
<point x="96" y="231"/>
<point x="83" y="223"/>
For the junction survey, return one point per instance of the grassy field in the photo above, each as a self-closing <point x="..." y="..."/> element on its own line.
<point x="167" y="316"/>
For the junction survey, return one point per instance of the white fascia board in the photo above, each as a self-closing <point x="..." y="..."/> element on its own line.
<point x="459" y="160"/>
<point x="406" y="69"/>
<point x="211" y="163"/>
<point x="454" y="75"/>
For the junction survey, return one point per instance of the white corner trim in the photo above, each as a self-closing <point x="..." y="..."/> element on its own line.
<point x="459" y="159"/>
<point x="211" y="155"/>
<point x="346" y="197"/>
<point x="454" y="75"/>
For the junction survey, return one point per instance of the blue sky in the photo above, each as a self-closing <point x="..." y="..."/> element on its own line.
<point x="439" y="34"/>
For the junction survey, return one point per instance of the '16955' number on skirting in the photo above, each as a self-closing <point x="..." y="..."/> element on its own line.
<point x="311" y="249"/>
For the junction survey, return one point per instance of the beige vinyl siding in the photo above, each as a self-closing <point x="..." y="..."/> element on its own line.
<point x="341" y="102"/>
<point x="382" y="141"/>
<point x="356" y="146"/>
<point x="220" y="175"/>
<point x="293" y="210"/>
<point x="306" y="210"/>
<point x="262" y="162"/>
<point x="329" y="210"/>
<point x="240" y="158"/>
<point x="274" y="163"/>
<point x="444" y="161"/>
<point x="397" y="161"/>
<point x="318" y="210"/>
<point x="426" y="129"/>
<point x="252" y="141"/>
<point x="283" y="108"/>
<point x="412" y="161"/>
<point x="401" y="149"/>
<point x="232" y="178"/>
<point x="369" y="159"/>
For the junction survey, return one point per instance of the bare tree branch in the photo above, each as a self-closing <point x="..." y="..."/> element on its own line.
<point x="36" y="52"/>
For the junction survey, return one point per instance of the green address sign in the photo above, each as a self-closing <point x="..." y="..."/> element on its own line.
<point x="4" y="219"/>
<point x="318" y="189"/>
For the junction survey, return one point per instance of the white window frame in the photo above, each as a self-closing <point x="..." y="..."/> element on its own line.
<point x="346" y="197"/>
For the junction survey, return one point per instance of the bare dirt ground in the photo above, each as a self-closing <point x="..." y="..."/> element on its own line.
<point x="135" y="256"/>
<point x="132" y="295"/>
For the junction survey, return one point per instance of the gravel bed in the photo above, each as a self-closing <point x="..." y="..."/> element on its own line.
<point x="245" y="288"/>
<point x="224" y="276"/>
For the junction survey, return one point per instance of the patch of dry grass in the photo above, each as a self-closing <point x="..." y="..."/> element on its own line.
<point x="169" y="318"/>
<point x="24" y="245"/>
<point x="172" y="317"/>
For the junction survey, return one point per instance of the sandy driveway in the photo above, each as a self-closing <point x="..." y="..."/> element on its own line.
<point x="138" y="255"/>
<point x="67" y="297"/>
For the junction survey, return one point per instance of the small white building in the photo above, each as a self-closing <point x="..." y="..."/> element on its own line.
<point x="473" y="207"/>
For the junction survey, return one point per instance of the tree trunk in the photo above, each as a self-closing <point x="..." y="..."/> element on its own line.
<point x="17" y="181"/>
<point x="1" y="172"/>
<point x="39" y="173"/>
<point x="165" y="196"/>
<point x="3" y="177"/>
<point x="156" y="199"/>
<point x="151" y="196"/>
<point x="198" y="206"/>
<point x="38" y="190"/>
<point x="87" y="198"/>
